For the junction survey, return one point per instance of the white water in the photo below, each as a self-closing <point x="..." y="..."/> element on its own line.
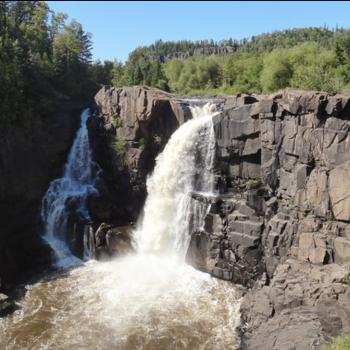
<point x="148" y="301"/>
<point x="185" y="166"/>
<point x="70" y="192"/>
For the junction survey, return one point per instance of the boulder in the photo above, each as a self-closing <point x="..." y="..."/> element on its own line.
<point x="112" y="241"/>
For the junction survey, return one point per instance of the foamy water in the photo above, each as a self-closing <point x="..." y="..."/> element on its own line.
<point x="140" y="302"/>
<point x="151" y="300"/>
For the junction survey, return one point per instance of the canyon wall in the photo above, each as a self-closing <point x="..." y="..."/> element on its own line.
<point x="280" y="222"/>
<point x="31" y="155"/>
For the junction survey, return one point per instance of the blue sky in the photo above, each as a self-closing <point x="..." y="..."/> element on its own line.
<point x="119" y="27"/>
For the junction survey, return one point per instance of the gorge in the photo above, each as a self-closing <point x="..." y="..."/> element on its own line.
<point x="162" y="285"/>
<point x="251" y="189"/>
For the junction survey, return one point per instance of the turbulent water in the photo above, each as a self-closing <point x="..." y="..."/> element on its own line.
<point x="183" y="167"/>
<point x="150" y="300"/>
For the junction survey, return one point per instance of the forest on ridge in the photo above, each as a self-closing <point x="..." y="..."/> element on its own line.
<point x="43" y="56"/>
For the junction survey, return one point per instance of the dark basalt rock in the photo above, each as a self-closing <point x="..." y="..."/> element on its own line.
<point x="109" y="241"/>
<point x="6" y="305"/>
<point x="281" y="223"/>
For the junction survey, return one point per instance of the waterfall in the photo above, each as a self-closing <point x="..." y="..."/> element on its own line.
<point x="67" y="196"/>
<point x="139" y="301"/>
<point x="185" y="166"/>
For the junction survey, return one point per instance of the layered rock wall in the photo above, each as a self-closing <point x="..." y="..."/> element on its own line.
<point x="281" y="223"/>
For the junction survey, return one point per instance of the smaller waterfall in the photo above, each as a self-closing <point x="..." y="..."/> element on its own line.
<point x="185" y="166"/>
<point x="67" y="196"/>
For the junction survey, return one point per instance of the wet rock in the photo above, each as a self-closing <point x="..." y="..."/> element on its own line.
<point x="6" y="305"/>
<point x="112" y="241"/>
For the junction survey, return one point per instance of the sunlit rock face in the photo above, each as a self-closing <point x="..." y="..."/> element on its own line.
<point x="131" y="127"/>
<point x="281" y="219"/>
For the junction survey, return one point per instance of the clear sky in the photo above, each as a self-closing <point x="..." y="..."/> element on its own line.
<point x="118" y="27"/>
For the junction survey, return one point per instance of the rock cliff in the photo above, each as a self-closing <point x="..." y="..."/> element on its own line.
<point x="280" y="222"/>
<point x="131" y="127"/>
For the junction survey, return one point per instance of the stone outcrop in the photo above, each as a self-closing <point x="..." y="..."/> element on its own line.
<point x="199" y="51"/>
<point x="31" y="155"/>
<point x="132" y="125"/>
<point x="108" y="241"/>
<point x="280" y="223"/>
<point x="301" y="308"/>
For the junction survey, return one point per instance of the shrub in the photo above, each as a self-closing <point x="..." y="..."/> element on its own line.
<point x="339" y="343"/>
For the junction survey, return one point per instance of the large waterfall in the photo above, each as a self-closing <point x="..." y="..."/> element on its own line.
<point x="67" y="196"/>
<point x="144" y="301"/>
<point x="185" y="166"/>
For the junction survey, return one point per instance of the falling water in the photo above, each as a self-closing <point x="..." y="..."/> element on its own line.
<point x="67" y="195"/>
<point x="185" y="166"/>
<point x="146" y="301"/>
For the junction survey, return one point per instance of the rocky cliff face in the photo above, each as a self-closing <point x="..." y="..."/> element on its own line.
<point x="30" y="156"/>
<point x="131" y="127"/>
<point x="281" y="221"/>
<point x="200" y="51"/>
<point x="281" y="224"/>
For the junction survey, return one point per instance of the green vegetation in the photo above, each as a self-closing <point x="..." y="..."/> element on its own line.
<point x="119" y="122"/>
<point x="346" y="279"/>
<point x="119" y="145"/>
<point x="339" y="343"/>
<point x="307" y="58"/>
<point x="157" y="139"/>
<point x="320" y="163"/>
<point x="251" y="182"/>
<point x="41" y="57"/>
<point x="142" y="143"/>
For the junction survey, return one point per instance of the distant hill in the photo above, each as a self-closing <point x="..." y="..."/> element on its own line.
<point x="183" y="49"/>
<point x="306" y="58"/>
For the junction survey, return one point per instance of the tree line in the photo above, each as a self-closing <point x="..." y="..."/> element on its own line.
<point x="305" y="58"/>
<point x="42" y="57"/>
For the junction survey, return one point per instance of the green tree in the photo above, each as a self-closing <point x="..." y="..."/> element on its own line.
<point x="277" y="71"/>
<point x="71" y="56"/>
